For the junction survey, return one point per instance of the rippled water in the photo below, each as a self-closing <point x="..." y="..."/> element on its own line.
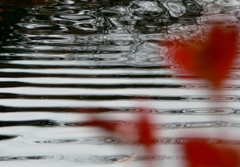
<point x="62" y="61"/>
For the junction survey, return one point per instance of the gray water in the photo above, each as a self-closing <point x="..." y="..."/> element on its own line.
<point x="62" y="61"/>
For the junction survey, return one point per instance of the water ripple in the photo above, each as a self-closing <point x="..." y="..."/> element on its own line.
<point x="41" y="123"/>
<point x="61" y="61"/>
<point x="24" y="158"/>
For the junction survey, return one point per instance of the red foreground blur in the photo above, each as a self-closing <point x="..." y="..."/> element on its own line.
<point x="212" y="59"/>
<point x="200" y="153"/>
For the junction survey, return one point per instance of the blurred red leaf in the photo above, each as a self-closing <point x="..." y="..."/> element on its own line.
<point x="106" y="125"/>
<point x="142" y="132"/>
<point x="146" y="135"/>
<point x="200" y="153"/>
<point x="213" y="59"/>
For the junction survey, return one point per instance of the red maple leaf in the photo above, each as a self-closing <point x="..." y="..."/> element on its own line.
<point x="200" y="153"/>
<point x="210" y="60"/>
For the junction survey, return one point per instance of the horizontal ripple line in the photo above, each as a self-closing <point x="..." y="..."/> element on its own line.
<point x="24" y="158"/>
<point x="80" y="66"/>
<point x="90" y="85"/>
<point x="40" y="123"/>
<point x="60" y="109"/>
<point x="27" y="75"/>
<point x="103" y="140"/>
<point x="116" y="97"/>
<point x="174" y="125"/>
<point x="14" y="84"/>
<point x="88" y="97"/>
<point x="194" y="111"/>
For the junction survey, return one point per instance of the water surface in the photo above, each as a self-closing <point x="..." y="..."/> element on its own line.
<point x="61" y="61"/>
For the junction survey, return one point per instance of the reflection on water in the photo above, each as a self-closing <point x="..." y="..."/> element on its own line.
<point x="62" y="60"/>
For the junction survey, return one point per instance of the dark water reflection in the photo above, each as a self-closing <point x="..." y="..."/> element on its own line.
<point x="61" y="61"/>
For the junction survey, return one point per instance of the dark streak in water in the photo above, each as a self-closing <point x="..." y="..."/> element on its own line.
<point x="87" y="97"/>
<point x="90" y="85"/>
<point x="109" y="140"/>
<point x="116" y="97"/>
<point x="24" y="158"/>
<point x="58" y="109"/>
<point x="196" y="111"/>
<point x="77" y="66"/>
<point x="29" y="75"/>
<point x="173" y="125"/>
<point x="40" y="123"/>
<point x="6" y="137"/>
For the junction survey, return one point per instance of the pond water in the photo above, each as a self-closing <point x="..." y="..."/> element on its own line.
<point x="61" y="61"/>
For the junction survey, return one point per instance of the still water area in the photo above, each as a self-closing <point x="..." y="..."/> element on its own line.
<point x="61" y="61"/>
